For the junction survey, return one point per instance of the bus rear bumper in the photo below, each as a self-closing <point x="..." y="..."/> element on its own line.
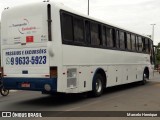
<point x="33" y="84"/>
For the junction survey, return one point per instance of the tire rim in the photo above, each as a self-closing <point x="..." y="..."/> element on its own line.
<point x="4" y="92"/>
<point x="145" y="77"/>
<point x="98" y="85"/>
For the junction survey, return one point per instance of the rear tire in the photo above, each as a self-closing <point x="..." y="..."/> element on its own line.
<point x="145" y="78"/>
<point x="4" y="92"/>
<point x="97" y="86"/>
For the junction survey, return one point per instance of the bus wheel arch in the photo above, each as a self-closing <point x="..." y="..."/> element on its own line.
<point x="146" y="71"/>
<point x="99" y="82"/>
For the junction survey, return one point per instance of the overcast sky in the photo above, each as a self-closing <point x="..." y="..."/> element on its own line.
<point x="135" y="15"/>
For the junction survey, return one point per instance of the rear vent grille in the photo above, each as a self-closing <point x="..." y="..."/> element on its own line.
<point x="72" y="82"/>
<point x="71" y="77"/>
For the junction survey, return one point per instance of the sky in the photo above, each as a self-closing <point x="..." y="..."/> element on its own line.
<point x="134" y="15"/>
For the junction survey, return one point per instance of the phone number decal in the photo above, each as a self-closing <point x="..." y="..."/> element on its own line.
<point x="26" y="60"/>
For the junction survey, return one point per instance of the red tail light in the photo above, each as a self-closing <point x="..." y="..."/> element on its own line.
<point x="53" y="72"/>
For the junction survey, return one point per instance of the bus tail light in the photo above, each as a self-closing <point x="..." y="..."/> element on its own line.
<point x="53" y="72"/>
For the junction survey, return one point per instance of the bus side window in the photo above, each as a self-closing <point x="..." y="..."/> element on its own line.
<point x="144" y="46"/>
<point x="140" y="44"/>
<point x="100" y="34"/>
<point x="78" y="25"/>
<point x="87" y="32"/>
<point x="128" y="41"/>
<point x="133" y="41"/>
<point x="95" y="40"/>
<point x="125" y="40"/>
<point x="122" y="40"/>
<point x="137" y="46"/>
<point x="104" y="37"/>
<point x="152" y="58"/>
<point x="150" y="45"/>
<point x="109" y="37"/>
<point x="147" y="45"/>
<point x="117" y="39"/>
<point x="114" y="37"/>
<point x="67" y="27"/>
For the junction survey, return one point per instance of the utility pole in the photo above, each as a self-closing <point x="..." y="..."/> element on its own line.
<point x="88" y="7"/>
<point x="153" y="31"/>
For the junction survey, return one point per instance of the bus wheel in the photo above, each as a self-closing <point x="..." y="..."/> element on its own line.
<point x="4" y="92"/>
<point x="97" y="85"/>
<point x="144" y="81"/>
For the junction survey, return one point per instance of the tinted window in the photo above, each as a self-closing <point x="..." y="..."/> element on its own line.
<point x="137" y="46"/>
<point x="150" y="45"/>
<point x="121" y="37"/>
<point x="125" y="40"/>
<point x="128" y="41"/>
<point x="100" y="34"/>
<point x="113" y="38"/>
<point x="104" y="36"/>
<point x="87" y="32"/>
<point x="133" y="39"/>
<point x="151" y="52"/>
<point x="95" y="38"/>
<point x="140" y="45"/>
<point x="147" y="45"/>
<point x="78" y="30"/>
<point x="117" y="38"/>
<point x="67" y="28"/>
<point x="108" y="36"/>
<point x="143" y="45"/>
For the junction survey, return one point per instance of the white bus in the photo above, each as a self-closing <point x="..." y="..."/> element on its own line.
<point x="50" y="48"/>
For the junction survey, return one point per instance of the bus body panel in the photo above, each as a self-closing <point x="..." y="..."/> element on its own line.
<point x="121" y="67"/>
<point x="24" y="41"/>
<point x="25" y="48"/>
<point x="35" y="84"/>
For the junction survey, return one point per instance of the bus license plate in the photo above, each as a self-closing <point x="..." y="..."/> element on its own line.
<point x="25" y="85"/>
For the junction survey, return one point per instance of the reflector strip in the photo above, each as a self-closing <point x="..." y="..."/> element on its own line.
<point x="47" y="75"/>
